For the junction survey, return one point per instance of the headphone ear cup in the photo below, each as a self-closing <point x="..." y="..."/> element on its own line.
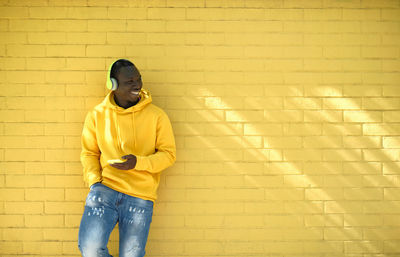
<point x="114" y="84"/>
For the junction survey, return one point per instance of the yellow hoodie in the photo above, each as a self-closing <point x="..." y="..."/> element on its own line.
<point x="111" y="132"/>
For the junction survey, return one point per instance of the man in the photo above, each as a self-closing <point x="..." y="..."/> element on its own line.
<point x="126" y="142"/>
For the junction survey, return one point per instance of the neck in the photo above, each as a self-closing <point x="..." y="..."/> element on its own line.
<point x="125" y="104"/>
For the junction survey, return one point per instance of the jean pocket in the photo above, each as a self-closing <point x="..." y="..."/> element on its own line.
<point x="95" y="185"/>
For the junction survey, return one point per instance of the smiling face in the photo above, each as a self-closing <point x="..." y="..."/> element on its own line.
<point x="129" y="86"/>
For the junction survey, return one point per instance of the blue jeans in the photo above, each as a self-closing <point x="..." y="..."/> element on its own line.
<point x="103" y="209"/>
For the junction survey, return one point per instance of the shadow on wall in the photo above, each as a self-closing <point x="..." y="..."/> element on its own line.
<point x="285" y="172"/>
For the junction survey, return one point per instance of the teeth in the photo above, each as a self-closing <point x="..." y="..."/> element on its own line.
<point x="135" y="92"/>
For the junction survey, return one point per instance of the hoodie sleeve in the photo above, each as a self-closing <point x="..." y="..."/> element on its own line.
<point x="165" y="154"/>
<point x="90" y="155"/>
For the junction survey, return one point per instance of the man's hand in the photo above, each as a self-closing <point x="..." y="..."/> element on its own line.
<point x="128" y="165"/>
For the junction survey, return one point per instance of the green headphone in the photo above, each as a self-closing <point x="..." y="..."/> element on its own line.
<point x="112" y="83"/>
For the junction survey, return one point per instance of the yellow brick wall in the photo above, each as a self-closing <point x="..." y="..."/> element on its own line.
<point x="286" y="115"/>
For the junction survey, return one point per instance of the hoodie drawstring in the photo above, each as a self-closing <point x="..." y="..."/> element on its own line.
<point x="134" y="129"/>
<point x="118" y="132"/>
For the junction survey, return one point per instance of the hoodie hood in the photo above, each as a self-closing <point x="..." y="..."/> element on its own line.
<point x="145" y="99"/>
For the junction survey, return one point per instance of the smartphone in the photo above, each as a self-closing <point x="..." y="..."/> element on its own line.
<point x="116" y="161"/>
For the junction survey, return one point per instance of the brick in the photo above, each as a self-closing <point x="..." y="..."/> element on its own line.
<point x="341" y="103"/>
<point x="13" y="12"/>
<point x="27" y="25"/>
<point x="322" y="14"/>
<point x="380" y="181"/>
<point x="352" y="247"/>
<point x="244" y="116"/>
<point x="362" y="142"/>
<point x="302" y="103"/>
<point x="12" y="168"/>
<point x="48" y="12"/>
<point x="69" y="234"/>
<point x="343" y="207"/>
<point x="282" y="142"/>
<point x="305" y="129"/>
<point x="12" y="115"/>
<point x="225" y="155"/>
<point x="42" y="194"/>
<point x="290" y="116"/>
<point x="358" y="91"/>
<point x="363" y="193"/>
<point x="302" y="27"/>
<point x="391" y="91"/>
<point x="13" y="38"/>
<point x="343" y="233"/>
<point x="363" y="66"/>
<point x="104" y="51"/>
<point x="8" y="194"/>
<point x="342" y="52"/>
<point x="303" y="181"/>
<point x="24" y="181"/>
<point x="303" y="207"/>
<point x="44" y="221"/>
<point x="11" y="247"/>
<point x="51" y="248"/>
<point x="343" y="181"/>
<point x="362" y="167"/>
<point x="385" y="79"/>
<point x="390" y="167"/>
<point x="147" y="26"/>
<point x="326" y="220"/>
<point x="291" y="167"/>
<point x="305" y="154"/>
<point x="294" y="194"/>
<point x="65" y="50"/>
<point x="165" y="13"/>
<point x="130" y="14"/>
<point x="391" y="142"/>
<point x="63" y="207"/>
<point x="342" y="154"/>
<point x="381" y="129"/>
<point x="24" y="155"/>
<point x="380" y="26"/>
<point x="63" y="129"/>
<point x="67" y="25"/>
<point x="262" y="52"/>
<point x="322" y="39"/>
<point x="381" y="154"/>
<point x="45" y="116"/>
<point x="62" y="155"/>
<point x="361" y="14"/>
<point x="381" y="103"/>
<point x="254" y="155"/>
<point x="362" y="116"/>
<point x="381" y="207"/>
<point x="391" y="220"/>
<point x="324" y="194"/>
<point x="86" y="38"/>
<point x="87" y="13"/>
<point x="355" y="220"/>
<point x="23" y="234"/>
<point x="69" y="77"/>
<point x="323" y="116"/>
<point x="11" y="221"/>
<point x="163" y="247"/>
<point x="23" y="207"/>
<point x="64" y="103"/>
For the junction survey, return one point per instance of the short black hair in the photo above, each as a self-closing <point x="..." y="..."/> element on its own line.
<point x="118" y="65"/>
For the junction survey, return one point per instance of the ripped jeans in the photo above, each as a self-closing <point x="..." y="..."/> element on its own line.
<point x="103" y="209"/>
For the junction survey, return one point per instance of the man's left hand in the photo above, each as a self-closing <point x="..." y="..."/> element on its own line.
<point x="128" y="165"/>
